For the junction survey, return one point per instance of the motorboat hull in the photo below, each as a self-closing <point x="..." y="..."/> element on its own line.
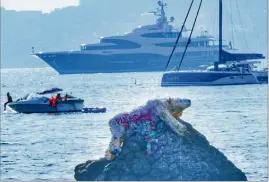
<point x="207" y="78"/>
<point x="74" y="105"/>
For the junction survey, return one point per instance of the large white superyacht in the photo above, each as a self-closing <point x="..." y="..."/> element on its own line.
<point x="145" y="49"/>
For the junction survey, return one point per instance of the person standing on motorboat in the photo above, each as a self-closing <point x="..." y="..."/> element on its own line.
<point x="53" y="101"/>
<point x="9" y="100"/>
<point x="58" y="97"/>
<point x="65" y="97"/>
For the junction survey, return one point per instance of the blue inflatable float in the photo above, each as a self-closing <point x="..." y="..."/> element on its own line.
<point x="94" y="110"/>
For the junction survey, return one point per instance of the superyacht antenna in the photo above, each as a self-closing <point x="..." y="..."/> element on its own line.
<point x="159" y="12"/>
<point x="179" y="35"/>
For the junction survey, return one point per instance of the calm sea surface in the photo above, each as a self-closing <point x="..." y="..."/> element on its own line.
<point x="48" y="146"/>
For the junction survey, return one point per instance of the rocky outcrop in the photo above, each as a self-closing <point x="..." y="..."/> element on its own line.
<point x="90" y="170"/>
<point x="188" y="156"/>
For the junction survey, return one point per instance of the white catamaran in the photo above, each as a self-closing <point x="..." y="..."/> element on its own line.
<point x="230" y="69"/>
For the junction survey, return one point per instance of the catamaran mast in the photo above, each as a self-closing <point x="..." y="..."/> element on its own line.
<point x="216" y="64"/>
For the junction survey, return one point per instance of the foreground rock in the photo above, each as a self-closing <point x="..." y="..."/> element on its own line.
<point x="170" y="150"/>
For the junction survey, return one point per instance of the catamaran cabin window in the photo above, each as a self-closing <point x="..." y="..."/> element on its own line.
<point x="211" y="43"/>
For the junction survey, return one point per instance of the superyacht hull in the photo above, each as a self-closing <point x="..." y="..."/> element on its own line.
<point x="81" y="63"/>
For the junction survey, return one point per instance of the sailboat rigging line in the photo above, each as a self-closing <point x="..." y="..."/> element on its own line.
<point x="179" y="35"/>
<point x="242" y="25"/>
<point x="253" y="25"/>
<point x="189" y="40"/>
<point x="231" y="17"/>
<point x="215" y="18"/>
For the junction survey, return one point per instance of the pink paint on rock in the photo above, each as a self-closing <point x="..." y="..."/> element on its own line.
<point x="126" y="119"/>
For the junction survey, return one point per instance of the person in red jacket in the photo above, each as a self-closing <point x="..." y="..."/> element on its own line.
<point x="53" y="101"/>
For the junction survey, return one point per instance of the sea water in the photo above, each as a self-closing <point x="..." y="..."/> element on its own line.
<point x="49" y="146"/>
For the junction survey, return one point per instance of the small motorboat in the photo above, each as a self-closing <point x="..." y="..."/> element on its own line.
<point x="39" y="103"/>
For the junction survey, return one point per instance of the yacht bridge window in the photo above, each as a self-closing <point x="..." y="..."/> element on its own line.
<point x="183" y="44"/>
<point x="112" y="44"/>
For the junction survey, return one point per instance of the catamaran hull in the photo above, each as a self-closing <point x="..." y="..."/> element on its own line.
<point x="62" y="106"/>
<point x="207" y="79"/>
<point x="262" y="76"/>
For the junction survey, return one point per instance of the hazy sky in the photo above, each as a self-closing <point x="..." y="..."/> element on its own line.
<point x="43" y="5"/>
